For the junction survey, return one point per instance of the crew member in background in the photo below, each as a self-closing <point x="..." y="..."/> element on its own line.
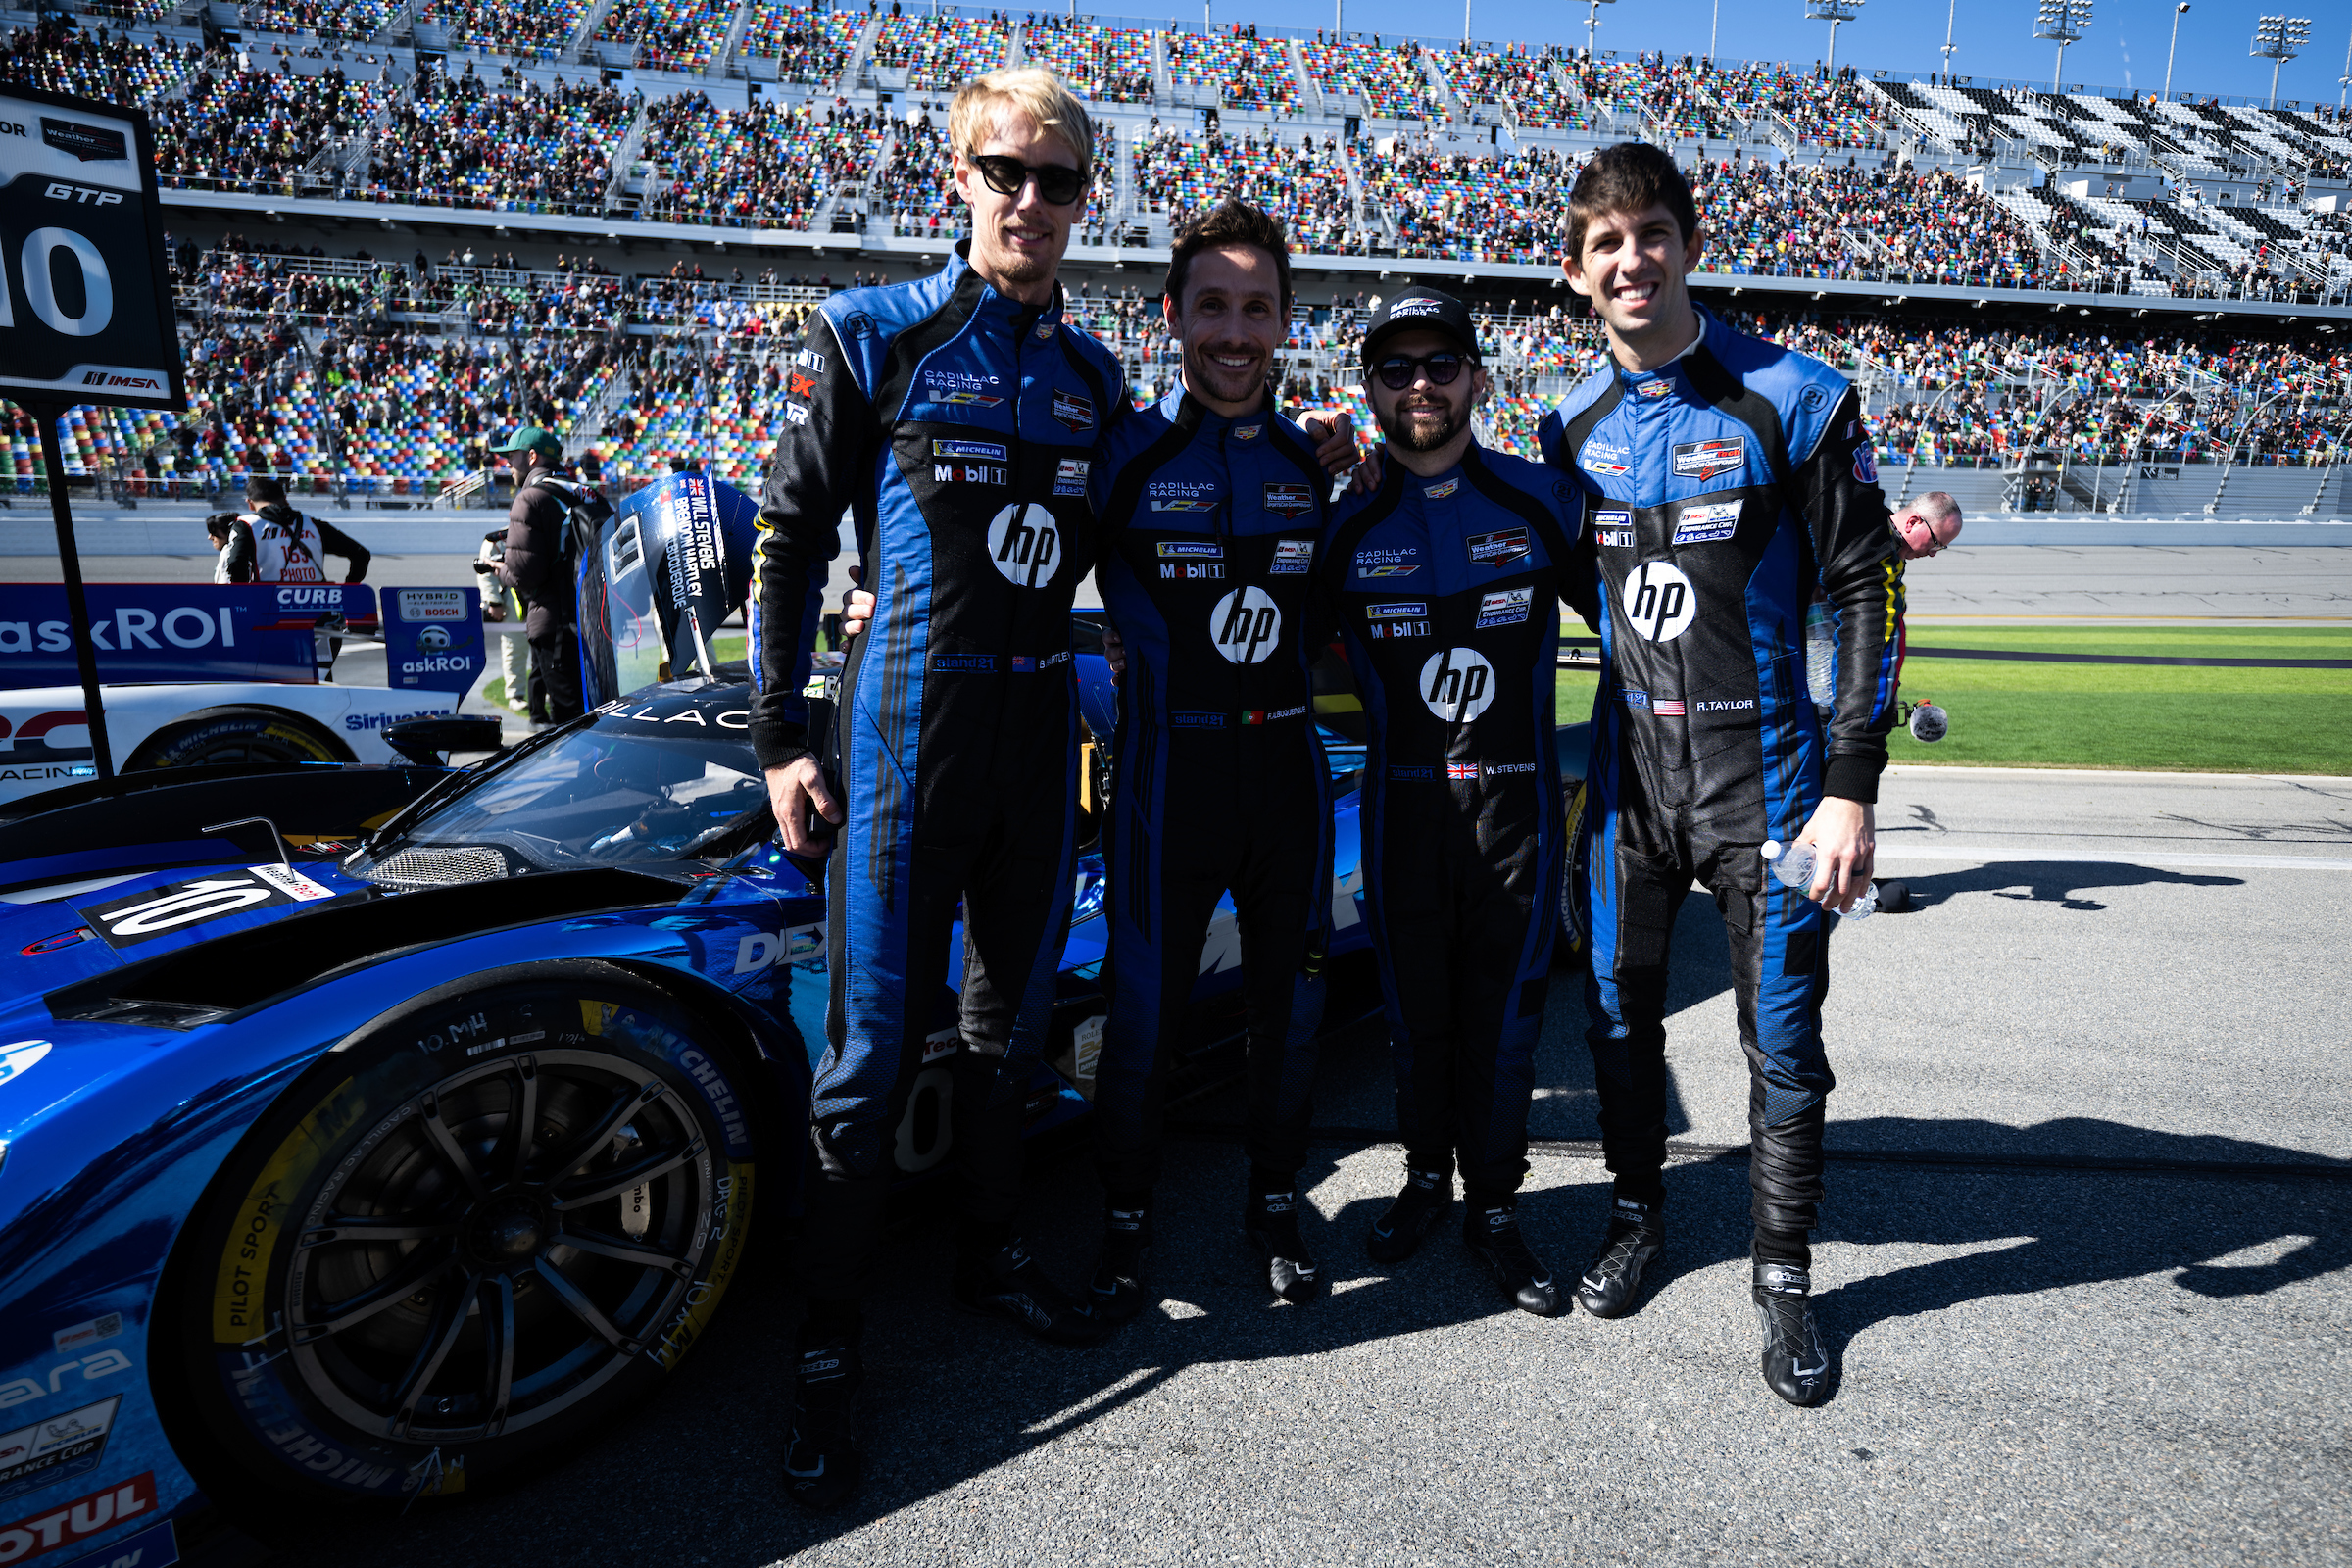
<point x="538" y="564"/>
<point x="504" y="606"/>
<point x="1725" y="480"/>
<point x="1448" y="579"/>
<point x="232" y="536"/>
<point x="290" y="546"/>
<point x="955" y="417"/>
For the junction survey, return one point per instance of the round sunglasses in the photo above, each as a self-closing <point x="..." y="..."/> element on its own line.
<point x="1057" y="184"/>
<point x="1400" y="371"/>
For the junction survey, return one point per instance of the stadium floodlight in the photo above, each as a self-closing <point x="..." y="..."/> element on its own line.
<point x="2064" y="22"/>
<point x="2279" y="39"/>
<point x="2179" y="11"/>
<point x="1591" y="24"/>
<point x="1952" y="14"/>
<point x="1832" y="11"/>
<point x="2343" y="84"/>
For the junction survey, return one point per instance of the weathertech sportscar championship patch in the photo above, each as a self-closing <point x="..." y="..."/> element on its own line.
<point x="1704" y="460"/>
<point x="143" y="916"/>
<point x="1497" y="549"/>
<point x="1074" y="412"/>
<point x="1289" y="500"/>
<point x="1508" y="608"/>
<point x="1293" y="556"/>
<point x="1706" y="524"/>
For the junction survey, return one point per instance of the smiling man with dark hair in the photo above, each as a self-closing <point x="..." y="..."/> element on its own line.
<point x="1208" y="505"/>
<point x="1726" y="481"/>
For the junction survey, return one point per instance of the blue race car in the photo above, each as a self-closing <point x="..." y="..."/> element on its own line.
<point x="337" y="1177"/>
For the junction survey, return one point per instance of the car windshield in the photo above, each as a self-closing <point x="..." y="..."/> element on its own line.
<point x="615" y="791"/>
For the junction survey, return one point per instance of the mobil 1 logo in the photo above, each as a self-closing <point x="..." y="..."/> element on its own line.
<point x="85" y="304"/>
<point x="1245" y="625"/>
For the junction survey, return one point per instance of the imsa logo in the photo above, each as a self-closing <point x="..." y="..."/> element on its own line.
<point x="1245" y="625"/>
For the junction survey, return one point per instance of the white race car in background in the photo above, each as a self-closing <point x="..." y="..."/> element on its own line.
<point x="45" y="736"/>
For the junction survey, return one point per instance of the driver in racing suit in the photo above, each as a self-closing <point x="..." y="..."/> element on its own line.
<point x="1447" y="580"/>
<point x="1726" y="478"/>
<point x="1210" y="505"/>
<point x="955" y="417"/>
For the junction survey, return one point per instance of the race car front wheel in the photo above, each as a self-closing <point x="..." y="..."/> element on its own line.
<point x="466" y="1239"/>
<point x="236" y="735"/>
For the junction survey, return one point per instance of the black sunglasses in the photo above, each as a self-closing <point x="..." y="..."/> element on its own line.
<point x="1059" y="184"/>
<point x="1399" y="372"/>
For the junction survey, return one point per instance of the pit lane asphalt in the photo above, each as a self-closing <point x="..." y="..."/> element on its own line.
<point x="2133" y="1357"/>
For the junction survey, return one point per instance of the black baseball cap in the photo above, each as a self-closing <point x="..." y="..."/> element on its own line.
<point x="1420" y="310"/>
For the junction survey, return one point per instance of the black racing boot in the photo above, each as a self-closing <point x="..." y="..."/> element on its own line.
<point x="1796" y="1365"/>
<point x="1635" y="1239"/>
<point x="1009" y="1283"/>
<point x="1426" y="1196"/>
<point x="821" y="1463"/>
<point x="1271" y="1222"/>
<point x="1117" y="1293"/>
<point x="1492" y="1233"/>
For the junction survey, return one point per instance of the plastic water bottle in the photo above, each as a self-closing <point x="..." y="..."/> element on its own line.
<point x="1820" y="653"/>
<point x="1794" y="865"/>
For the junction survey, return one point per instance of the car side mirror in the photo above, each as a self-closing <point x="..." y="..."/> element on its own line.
<point x="427" y="741"/>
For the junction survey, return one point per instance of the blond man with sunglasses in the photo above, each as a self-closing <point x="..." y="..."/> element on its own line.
<point x="955" y="419"/>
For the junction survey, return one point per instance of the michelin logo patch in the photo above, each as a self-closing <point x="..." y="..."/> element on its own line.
<point x="1613" y="531"/>
<point x="1508" y="608"/>
<point x="1293" y="557"/>
<point x="1704" y="460"/>
<point x="1397" y="606"/>
<point x="1707" y="524"/>
<point x="988" y="451"/>
<point x="1191" y="550"/>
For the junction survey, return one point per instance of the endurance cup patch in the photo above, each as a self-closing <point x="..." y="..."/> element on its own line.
<point x="1508" y="608"/>
<point x="1293" y="557"/>
<point x="1708" y="522"/>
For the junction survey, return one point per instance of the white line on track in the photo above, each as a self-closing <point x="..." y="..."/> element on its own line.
<point x="2049" y="854"/>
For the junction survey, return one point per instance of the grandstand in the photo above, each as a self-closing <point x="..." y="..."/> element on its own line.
<point x="2133" y="302"/>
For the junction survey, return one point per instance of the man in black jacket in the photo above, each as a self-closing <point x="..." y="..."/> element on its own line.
<point x="538" y="567"/>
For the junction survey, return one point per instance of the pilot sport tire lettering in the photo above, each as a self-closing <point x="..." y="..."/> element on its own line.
<point x="465" y="1241"/>
<point x="236" y="735"/>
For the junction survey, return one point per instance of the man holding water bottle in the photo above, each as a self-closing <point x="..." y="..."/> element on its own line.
<point x="1725" y="481"/>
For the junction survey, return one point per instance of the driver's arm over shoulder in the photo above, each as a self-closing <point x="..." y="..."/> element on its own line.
<point x="826" y="448"/>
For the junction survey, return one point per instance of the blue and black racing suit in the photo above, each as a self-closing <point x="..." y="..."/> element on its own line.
<point x="1208" y="531"/>
<point x="957" y="425"/>
<point x="1449" y="592"/>
<point x="1721" y="490"/>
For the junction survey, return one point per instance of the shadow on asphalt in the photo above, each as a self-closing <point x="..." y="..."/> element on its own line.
<point x="2059" y="882"/>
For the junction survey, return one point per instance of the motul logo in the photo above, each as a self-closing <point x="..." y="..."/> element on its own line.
<point x="69" y="1524"/>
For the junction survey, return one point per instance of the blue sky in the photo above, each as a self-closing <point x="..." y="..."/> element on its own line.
<point x="2123" y="46"/>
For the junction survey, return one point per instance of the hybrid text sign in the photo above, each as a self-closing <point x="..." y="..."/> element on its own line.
<point x="85" y="297"/>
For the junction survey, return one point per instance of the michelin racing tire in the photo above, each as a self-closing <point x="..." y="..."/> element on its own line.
<point x="1569" y="948"/>
<point x="236" y="735"/>
<point x="462" y="1244"/>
